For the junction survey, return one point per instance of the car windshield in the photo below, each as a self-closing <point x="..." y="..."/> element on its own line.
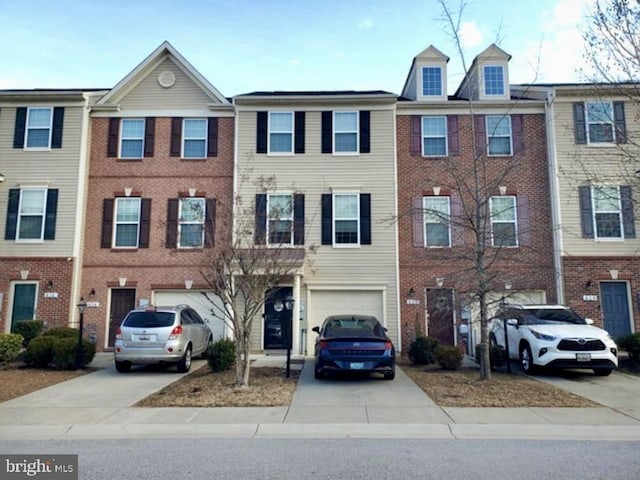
<point x="551" y="315"/>
<point x="149" y="319"/>
<point x="353" y="326"/>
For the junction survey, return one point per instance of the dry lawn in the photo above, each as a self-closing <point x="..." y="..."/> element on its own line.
<point x="17" y="380"/>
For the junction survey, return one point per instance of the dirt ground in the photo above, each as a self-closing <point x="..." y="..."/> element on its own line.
<point x="16" y="380"/>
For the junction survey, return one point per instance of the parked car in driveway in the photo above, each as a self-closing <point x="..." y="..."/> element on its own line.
<point x="553" y="336"/>
<point x="353" y="343"/>
<point x="172" y="335"/>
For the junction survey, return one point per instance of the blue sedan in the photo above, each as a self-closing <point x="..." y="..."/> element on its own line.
<point x="353" y="343"/>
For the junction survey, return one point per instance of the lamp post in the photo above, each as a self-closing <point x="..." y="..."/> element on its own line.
<point x="288" y="305"/>
<point x="81" y="308"/>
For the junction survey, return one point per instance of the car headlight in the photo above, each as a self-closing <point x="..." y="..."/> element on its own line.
<point x="542" y="336"/>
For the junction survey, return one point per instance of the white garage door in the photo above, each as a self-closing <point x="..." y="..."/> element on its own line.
<point x="198" y="302"/>
<point x="362" y="302"/>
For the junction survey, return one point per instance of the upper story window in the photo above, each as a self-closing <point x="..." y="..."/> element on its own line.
<point x="280" y="132"/>
<point x="346" y="219"/>
<point x="31" y="214"/>
<point x="432" y="81"/>
<point x="493" y="80"/>
<point x="132" y="138"/>
<point x="39" y="123"/>
<point x="434" y="136"/>
<point x="504" y="231"/>
<point x="127" y="222"/>
<point x="607" y="212"/>
<point x="600" y="124"/>
<point x="499" y="135"/>
<point x="280" y="221"/>
<point x="345" y="132"/>
<point x="191" y="223"/>
<point x="437" y="221"/>
<point x="194" y="138"/>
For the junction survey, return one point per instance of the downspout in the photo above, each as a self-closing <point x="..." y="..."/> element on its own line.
<point x="554" y="189"/>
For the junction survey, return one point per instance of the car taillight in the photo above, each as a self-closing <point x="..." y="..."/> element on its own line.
<point x="177" y="330"/>
<point x="118" y="334"/>
<point x="388" y="346"/>
<point x="323" y="344"/>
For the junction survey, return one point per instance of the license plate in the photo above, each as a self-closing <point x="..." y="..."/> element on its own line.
<point x="357" y="365"/>
<point x="583" y="357"/>
<point x="145" y="338"/>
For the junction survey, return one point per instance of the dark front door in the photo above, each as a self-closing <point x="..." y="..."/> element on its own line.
<point x="24" y="302"/>
<point x="277" y="319"/>
<point x="440" y="314"/>
<point x="615" y="308"/>
<point x="122" y="300"/>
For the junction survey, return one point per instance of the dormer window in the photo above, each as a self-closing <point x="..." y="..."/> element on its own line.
<point x="432" y="81"/>
<point x="493" y="80"/>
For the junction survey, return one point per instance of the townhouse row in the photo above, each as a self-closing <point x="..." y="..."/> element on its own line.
<point x="123" y="196"/>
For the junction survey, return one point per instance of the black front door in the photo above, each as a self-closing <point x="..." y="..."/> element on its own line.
<point x="615" y="308"/>
<point x="122" y="300"/>
<point x="277" y="319"/>
<point x="24" y="302"/>
<point x="440" y="314"/>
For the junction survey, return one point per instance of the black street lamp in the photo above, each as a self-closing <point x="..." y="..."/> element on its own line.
<point x="288" y="305"/>
<point x="81" y="308"/>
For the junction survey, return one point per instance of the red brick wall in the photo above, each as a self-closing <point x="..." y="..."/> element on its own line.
<point x="523" y="174"/>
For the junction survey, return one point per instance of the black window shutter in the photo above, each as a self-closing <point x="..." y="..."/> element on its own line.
<point x="149" y="134"/>
<point x="298" y="219"/>
<point x="21" y="124"/>
<point x="12" y="214"/>
<point x="299" y="120"/>
<point x="261" y="219"/>
<point x="210" y="223"/>
<point x="517" y="130"/>
<point x="176" y="137"/>
<point x="628" y="218"/>
<point x="327" y="219"/>
<point x="416" y="136"/>
<point x="56" y="131"/>
<point x="172" y="223"/>
<point x="112" y="140"/>
<point x="145" y="221"/>
<point x="621" y="126"/>
<point x="50" y="214"/>
<point x="327" y="132"/>
<point x="579" y="124"/>
<point x="481" y="135"/>
<point x="452" y="134"/>
<point x="261" y="132"/>
<point x="107" y="223"/>
<point x="586" y="212"/>
<point x="212" y="137"/>
<point x="365" y="219"/>
<point x="524" y="222"/>
<point x="365" y="131"/>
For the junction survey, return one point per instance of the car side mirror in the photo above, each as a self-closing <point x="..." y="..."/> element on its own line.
<point x="588" y="321"/>
<point x="316" y="329"/>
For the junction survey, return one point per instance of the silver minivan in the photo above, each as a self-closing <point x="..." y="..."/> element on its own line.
<point x="171" y="335"/>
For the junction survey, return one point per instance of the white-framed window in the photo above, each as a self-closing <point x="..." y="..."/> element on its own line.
<point x="600" y="122"/>
<point x="31" y="214"/>
<point x="127" y="222"/>
<point x="346" y="219"/>
<point x="345" y="132"/>
<point x="280" y="219"/>
<point x="504" y="221"/>
<point x="132" y="138"/>
<point x="499" y="142"/>
<point x="194" y="138"/>
<point x="437" y="221"/>
<point x="434" y="136"/>
<point x="493" y="80"/>
<point x="280" y="132"/>
<point x="191" y="217"/>
<point x="607" y="211"/>
<point x="39" y="124"/>
<point x="432" y="81"/>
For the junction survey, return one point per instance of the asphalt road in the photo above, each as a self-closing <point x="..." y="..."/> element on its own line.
<point x="353" y="459"/>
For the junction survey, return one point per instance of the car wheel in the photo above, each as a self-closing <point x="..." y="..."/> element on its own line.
<point x="602" y="372"/>
<point x="390" y="375"/>
<point x="526" y="359"/>
<point x="206" y="351"/>
<point x="185" y="362"/>
<point x="123" y="367"/>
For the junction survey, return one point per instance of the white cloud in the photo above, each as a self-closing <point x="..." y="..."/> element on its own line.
<point x="295" y="61"/>
<point x="366" y="23"/>
<point x="470" y="35"/>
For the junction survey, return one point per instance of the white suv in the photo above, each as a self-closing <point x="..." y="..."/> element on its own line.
<point x="553" y="336"/>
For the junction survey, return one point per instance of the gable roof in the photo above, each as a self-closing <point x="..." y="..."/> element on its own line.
<point x="164" y="51"/>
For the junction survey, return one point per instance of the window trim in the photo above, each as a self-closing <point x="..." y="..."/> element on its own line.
<point x="424" y="220"/>
<point x="182" y="222"/>
<point x="43" y="215"/>
<point x="422" y="86"/>
<point x="291" y="219"/>
<point x="514" y="222"/>
<point x="27" y="129"/>
<point x="490" y="136"/>
<point x="446" y="135"/>
<point x="116" y="223"/>
<point x="185" y="138"/>
<point x="335" y="131"/>
<point x="484" y="80"/>
<point x="334" y="219"/>
<point x="595" y="212"/>
<point x="588" y="123"/>
<point x="291" y="132"/>
<point x="122" y="137"/>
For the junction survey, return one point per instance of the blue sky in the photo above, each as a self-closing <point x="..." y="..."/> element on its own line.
<point x="247" y="45"/>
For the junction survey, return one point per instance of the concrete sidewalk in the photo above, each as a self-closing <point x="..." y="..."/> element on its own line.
<point x="98" y="405"/>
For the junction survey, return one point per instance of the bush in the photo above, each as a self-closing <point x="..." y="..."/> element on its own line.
<point x="64" y="351"/>
<point x="10" y="346"/>
<point x="62" y="332"/>
<point x="222" y="355"/>
<point x="497" y="356"/>
<point x="39" y="352"/>
<point x="449" y="358"/>
<point x="29" y="329"/>
<point x="423" y="350"/>
<point x="631" y="344"/>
